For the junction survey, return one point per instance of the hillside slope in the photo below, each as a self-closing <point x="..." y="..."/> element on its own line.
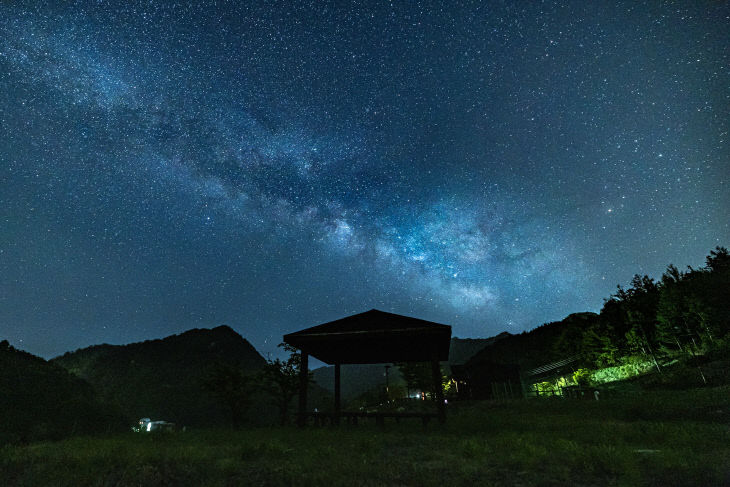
<point x="539" y="346"/>
<point x="40" y="400"/>
<point x="163" y="379"/>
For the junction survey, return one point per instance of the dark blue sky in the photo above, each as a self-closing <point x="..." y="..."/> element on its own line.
<point x="271" y="165"/>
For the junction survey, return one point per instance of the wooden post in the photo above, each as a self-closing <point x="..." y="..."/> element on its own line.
<point x="436" y="372"/>
<point x="303" y="383"/>
<point x="525" y="391"/>
<point x="338" y="407"/>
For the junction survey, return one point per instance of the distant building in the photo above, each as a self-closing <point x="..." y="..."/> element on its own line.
<point x="146" y="425"/>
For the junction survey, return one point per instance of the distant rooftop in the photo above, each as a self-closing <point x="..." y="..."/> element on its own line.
<point x="374" y="337"/>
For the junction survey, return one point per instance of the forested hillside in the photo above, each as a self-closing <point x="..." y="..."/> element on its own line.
<point x="40" y="400"/>
<point x="684" y="317"/>
<point x="166" y="378"/>
<point x="546" y="343"/>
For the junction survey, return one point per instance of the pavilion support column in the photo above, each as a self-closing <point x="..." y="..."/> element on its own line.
<point x="303" y="383"/>
<point x="338" y="405"/>
<point x="436" y="372"/>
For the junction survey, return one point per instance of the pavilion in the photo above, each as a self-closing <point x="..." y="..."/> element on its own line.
<point x="371" y="337"/>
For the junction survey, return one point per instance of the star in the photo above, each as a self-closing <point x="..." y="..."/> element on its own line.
<point x="298" y="163"/>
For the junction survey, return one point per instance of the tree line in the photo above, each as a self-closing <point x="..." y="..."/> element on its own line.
<point x="235" y="387"/>
<point x="683" y="314"/>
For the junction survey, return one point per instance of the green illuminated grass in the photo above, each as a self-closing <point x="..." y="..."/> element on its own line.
<point x="662" y="439"/>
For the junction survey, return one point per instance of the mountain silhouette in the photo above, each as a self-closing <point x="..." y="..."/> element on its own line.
<point x="40" y="400"/>
<point x="164" y="378"/>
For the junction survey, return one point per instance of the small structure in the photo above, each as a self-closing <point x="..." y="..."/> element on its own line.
<point x="372" y="337"/>
<point x="549" y="373"/>
<point x="484" y="379"/>
<point x="146" y="425"/>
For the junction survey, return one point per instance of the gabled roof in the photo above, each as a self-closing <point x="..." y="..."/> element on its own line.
<point x="374" y="337"/>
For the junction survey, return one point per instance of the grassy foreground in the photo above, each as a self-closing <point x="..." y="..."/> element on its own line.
<point x="659" y="439"/>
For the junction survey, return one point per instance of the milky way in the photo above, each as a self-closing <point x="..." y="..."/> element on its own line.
<point x="275" y="166"/>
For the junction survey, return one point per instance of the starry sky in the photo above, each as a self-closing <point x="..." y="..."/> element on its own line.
<point x="275" y="165"/>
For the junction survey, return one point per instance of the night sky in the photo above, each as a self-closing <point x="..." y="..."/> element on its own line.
<point x="273" y="166"/>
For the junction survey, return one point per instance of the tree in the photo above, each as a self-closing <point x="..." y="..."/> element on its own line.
<point x="570" y="338"/>
<point x="613" y="318"/>
<point x="715" y="291"/>
<point x="694" y="306"/>
<point x="718" y="260"/>
<point x="596" y="347"/>
<point x="280" y="379"/>
<point x="629" y="319"/>
<point x="233" y="387"/>
<point x="419" y="376"/>
<point x="679" y="316"/>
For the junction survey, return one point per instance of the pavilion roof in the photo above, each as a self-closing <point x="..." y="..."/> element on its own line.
<point x="374" y="337"/>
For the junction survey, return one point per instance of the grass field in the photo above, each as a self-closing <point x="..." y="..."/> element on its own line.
<point x="661" y="438"/>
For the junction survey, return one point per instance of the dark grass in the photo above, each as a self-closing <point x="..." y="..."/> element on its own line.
<point x="662" y="438"/>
